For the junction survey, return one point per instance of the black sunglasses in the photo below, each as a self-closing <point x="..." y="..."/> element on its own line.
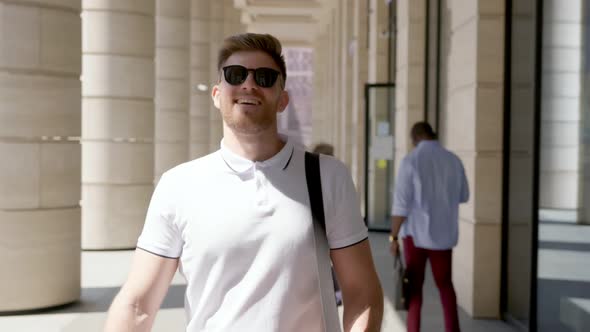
<point x="264" y="77"/>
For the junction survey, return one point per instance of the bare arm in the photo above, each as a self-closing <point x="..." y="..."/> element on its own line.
<point x="396" y="224"/>
<point x="135" y="307"/>
<point x="361" y="289"/>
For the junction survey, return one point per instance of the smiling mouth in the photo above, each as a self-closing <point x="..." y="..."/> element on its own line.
<point x="247" y="101"/>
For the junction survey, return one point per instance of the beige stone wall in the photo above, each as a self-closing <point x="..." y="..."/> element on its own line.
<point x="40" y="61"/>
<point x="225" y="21"/>
<point x="378" y="52"/>
<point x="200" y="102"/>
<point x="117" y="120"/>
<point x="321" y="109"/>
<point x="211" y="22"/>
<point x="409" y="80"/>
<point x="172" y="84"/>
<point x="326" y="115"/>
<point x="472" y="123"/>
<point x="359" y="77"/>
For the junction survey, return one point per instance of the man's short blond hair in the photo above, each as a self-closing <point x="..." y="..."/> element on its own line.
<point x="253" y="42"/>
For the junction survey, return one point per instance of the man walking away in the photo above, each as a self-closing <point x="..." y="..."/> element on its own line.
<point x="430" y="185"/>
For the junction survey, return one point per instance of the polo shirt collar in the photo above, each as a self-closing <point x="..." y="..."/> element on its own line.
<point x="240" y="164"/>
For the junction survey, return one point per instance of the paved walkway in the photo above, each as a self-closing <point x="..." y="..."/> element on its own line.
<point x="104" y="272"/>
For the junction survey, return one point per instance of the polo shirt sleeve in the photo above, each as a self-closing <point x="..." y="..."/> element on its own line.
<point x="344" y="223"/>
<point x="160" y="234"/>
<point x="404" y="190"/>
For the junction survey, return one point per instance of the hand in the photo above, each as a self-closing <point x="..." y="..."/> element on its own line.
<point x="394" y="248"/>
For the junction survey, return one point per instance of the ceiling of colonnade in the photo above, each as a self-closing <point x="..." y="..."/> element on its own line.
<point x="294" y="22"/>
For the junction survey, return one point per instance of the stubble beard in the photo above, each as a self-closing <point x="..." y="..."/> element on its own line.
<point x="250" y="122"/>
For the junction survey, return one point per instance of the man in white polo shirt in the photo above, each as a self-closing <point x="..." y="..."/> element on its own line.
<point x="237" y="222"/>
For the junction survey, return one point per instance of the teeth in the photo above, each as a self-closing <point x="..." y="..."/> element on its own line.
<point x="248" y="101"/>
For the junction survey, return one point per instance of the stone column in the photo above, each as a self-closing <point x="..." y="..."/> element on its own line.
<point x="225" y="21"/>
<point x="217" y="14"/>
<point x="200" y="103"/>
<point x="473" y="60"/>
<point x="409" y="90"/>
<point x="360" y="73"/>
<point x="335" y="55"/>
<point x="118" y="120"/>
<point x="378" y="52"/>
<point x="585" y="121"/>
<point x="172" y="84"/>
<point x="321" y="131"/>
<point x="346" y="86"/>
<point x="561" y="179"/>
<point x="40" y="61"/>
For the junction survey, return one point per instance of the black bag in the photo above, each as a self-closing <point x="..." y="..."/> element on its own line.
<point x="401" y="279"/>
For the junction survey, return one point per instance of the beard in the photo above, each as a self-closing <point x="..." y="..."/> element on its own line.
<point x="248" y="121"/>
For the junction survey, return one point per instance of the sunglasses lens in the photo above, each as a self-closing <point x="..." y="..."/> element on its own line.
<point x="265" y="77"/>
<point x="235" y="75"/>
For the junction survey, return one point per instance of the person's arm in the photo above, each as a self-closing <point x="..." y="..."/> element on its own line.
<point x="361" y="290"/>
<point x="135" y="307"/>
<point x="396" y="224"/>
<point x="402" y="203"/>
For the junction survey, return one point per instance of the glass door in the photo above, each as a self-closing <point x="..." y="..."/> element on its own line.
<point x="379" y="155"/>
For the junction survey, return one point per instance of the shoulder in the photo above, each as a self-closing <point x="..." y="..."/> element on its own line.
<point x="192" y="169"/>
<point x="408" y="162"/>
<point x="332" y="167"/>
<point x="208" y="162"/>
<point x="452" y="156"/>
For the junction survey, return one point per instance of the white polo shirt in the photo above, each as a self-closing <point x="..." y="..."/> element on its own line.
<point x="244" y="235"/>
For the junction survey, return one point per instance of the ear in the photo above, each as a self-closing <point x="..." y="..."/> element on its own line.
<point x="216" y="96"/>
<point x="283" y="101"/>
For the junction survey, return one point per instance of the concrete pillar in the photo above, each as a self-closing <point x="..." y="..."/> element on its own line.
<point x="409" y="89"/>
<point x="172" y="84"/>
<point x="378" y="53"/>
<point x="347" y="47"/>
<point x="200" y="81"/>
<point x="40" y="61"/>
<point x="561" y="186"/>
<point x="585" y="121"/>
<point x="321" y="131"/>
<point x="336" y="55"/>
<point x="224" y="22"/>
<point x="360" y="76"/>
<point x="472" y="88"/>
<point x="117" y="120"/>
<point x="217" y="34"/>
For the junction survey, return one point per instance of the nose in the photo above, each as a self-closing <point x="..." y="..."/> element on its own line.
<point x="249" y="83"/>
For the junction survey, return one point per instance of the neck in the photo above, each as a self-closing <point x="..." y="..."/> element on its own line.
<point x="256" y="147"/>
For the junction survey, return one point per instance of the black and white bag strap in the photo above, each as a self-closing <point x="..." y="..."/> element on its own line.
<point x="314" y="187"/>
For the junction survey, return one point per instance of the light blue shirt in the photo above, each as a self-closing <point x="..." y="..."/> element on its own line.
<point x="430" y="185"/>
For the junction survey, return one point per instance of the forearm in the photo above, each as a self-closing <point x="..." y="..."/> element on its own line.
<point x="127" y="315"/>
<point x="396" y="224"/>
<point x="364" y="313"/>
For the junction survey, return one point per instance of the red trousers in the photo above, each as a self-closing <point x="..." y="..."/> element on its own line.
<point x="441" y="263"/>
